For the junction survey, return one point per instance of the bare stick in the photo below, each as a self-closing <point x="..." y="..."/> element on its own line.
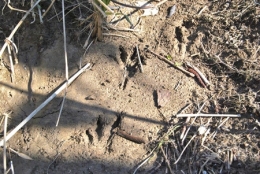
<point x="11" y="63"/>
<point x="207" y="115"/>
<point x="52" y="162"/>
<point x="52" y="2"/>
<point x="18" y="127"/>
<point x="215" y="132"/>
<point x="4" y="153"/>
<point x="185" y="135"/>
<point x="66" y="61"/>
<point x="139" y="59"/>
<point x="184" y="149"/>
<point x="17" y="27"/>
<point x="202" y="10"/>
<point x="117" y="35"/>
<point x="167" y="161"/>
<point x="171" y="63"/>
<point x="200" y="73"/>
<point x="12" y="167"/>
<point x="40" y="13"/>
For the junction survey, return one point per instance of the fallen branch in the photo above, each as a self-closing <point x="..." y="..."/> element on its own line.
<point x="19" y="126"/>
<point x="207" y="115"/>
<point x="127" y="136"/>
<point x="139" y="59"/>
<point x="171" y="63"/>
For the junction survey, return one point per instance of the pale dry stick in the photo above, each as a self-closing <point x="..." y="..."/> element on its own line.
<point x="66" y="60"/>
<point x="13" y="44"/>
<point x="18" y="127"/>
<point x="185" y="149"/>
<point x="17" y="27"/>
<point x="171" y="63"/>
<point x="185" y="135"/>
<point x="187" y="120"/>
<point x="12" y="167"/>
<point x="117" y="35"/>
<point x="48" y="9"/>
<point x="80" y="61"/>
<point x="200" y="73"/>
<point x="4" y="153"/>
<point x="201" y="167"/>
<point x="15" y="9"/>
<point x="140" y="165"/>
<point x="215" y="132"/>
<point x="139" y="59"/>
<point x="87" y="40"/>
<point x="207" y="115"/>
<point x="203" y="9"/>
<point x="57" y="14"/>
<point x="167" y="161"/>
<point x="203" y="140"/>
<point x="52" y="162"/>
<point x="11" y="63"/>
<point x="40" y="13"/>
<point x="185" y="108"/>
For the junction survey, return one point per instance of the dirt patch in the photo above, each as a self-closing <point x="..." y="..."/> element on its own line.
<point x="220" y="38"/>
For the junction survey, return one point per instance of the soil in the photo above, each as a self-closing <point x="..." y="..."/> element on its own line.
<point x="221" y="38"/>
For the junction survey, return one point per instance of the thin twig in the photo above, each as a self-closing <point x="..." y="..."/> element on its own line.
<point x="139" y="59"/>
<point x="215" y="132"/>
<point x="17" y="27"/>
<point x="66" y="61"/>
<point x="204" y="8"/>
<point x="140" y="165"/>
<point x="207" y="115"/>
<point x="167" y="161"/>
<point x="117" y="35"/>
<point x="4" y="153"/>
<point x="12" y="167"/>
<point x="184" y="149"/>
<point x="185" y="135"/>
<point x="11" y="63"/>
<point x="44" y="14"/>
<point x="40" y="13"/>
<point x="171" y="63"/>
<point x="29" y="117"/>
<point x="52" y="162"/>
